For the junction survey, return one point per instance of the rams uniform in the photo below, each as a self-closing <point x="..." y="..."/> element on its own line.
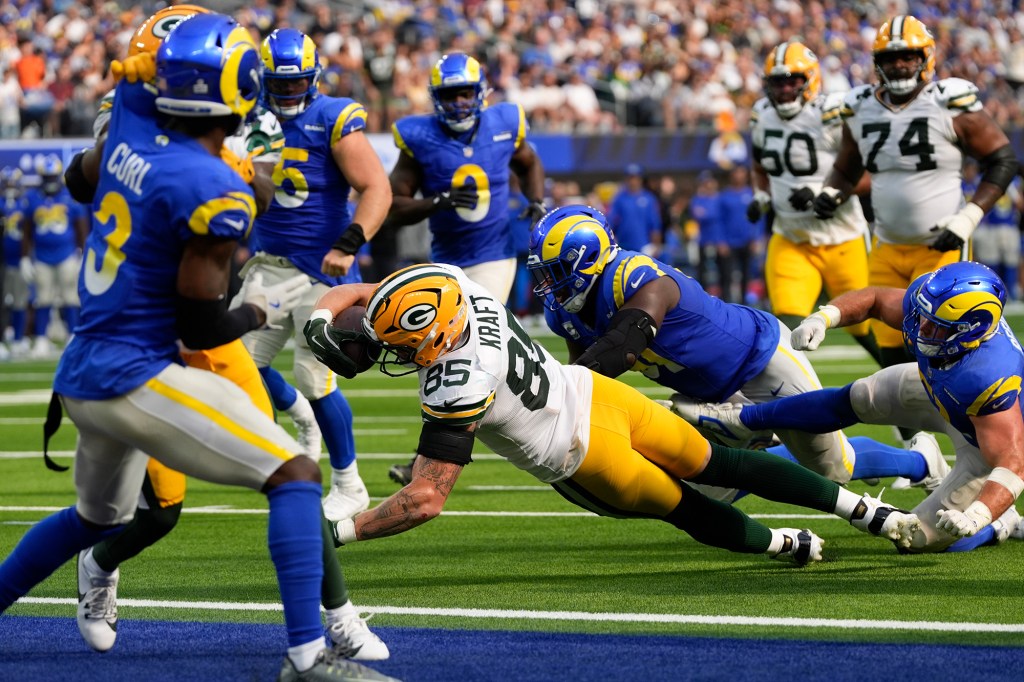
<point x="14" y="284"/>
<point x="466" y="237"/>
<point x="55" y="245"/>
<point x="805" y="252"/>
<point x="157" y="190"/>
<point x="713" y="351"/>
<point x="942" y="398"/>
<point x="915" y="161"/>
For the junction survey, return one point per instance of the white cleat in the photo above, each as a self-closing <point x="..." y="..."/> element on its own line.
<point x="719" y="419"/>
<point x="925" y="443"/>
<point x="352" y="638"/>
<point x="875" y="517"/>
<point x="97" y="606"/>
<point x="803" y="546"/>
<point x="345" y="501"/>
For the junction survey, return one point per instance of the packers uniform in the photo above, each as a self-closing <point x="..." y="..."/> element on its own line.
<point x="805" y="253"/>
<point x="712" y="351"/>
<point x="601" y="444"/>
<point x="913" y="155"/>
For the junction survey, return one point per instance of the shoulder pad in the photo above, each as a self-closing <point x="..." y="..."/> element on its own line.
<point x="957" y="94"/>
<point x="853" y="99"/>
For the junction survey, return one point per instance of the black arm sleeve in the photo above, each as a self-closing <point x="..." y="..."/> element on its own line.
<point x="629" y="332"/>
<point x="80" y="188"/>
<point x="447" y="443"/>
<point x="208" y="324"/>
<point x="999" y="167"/>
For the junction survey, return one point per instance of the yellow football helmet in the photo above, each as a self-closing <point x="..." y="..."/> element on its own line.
<point x="784" y="62"/>
<point x="152" y="31"/>
<point x="417" y="314"/>
<point x="901" y="34"/>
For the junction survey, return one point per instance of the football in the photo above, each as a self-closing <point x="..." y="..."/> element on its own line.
<point x="363" y="353"/>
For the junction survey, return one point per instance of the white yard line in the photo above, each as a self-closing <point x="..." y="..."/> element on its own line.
<point x="522" y="614"/>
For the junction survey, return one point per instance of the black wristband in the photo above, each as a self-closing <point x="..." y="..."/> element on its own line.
<point x="351" y="240"/>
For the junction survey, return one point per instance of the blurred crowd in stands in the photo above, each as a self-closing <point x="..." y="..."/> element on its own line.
<point x="578" y="66"/>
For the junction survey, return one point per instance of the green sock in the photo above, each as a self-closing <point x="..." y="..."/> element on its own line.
<point x="718" y="524"/>
<point x="148" y="526"/>
<point x="768" y="476"/>
<point x="333" y="592"/>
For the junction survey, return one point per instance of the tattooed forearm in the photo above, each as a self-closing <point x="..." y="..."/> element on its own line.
<point x="413" y="505"/>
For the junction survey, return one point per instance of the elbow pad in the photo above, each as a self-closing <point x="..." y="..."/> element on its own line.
<point x="999" y="167"/>
<point x="629" y="333"/>
<point x="74" y="177"/>
<point x="208" y="324"/>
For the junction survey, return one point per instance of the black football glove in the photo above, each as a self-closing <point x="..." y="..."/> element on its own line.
<point x="457" y="197"/>
<point x="535" y="211"/>
<point x="760" y="205"/>
<point x="801" y="199"/>
<point x="827" y="202"/>
<point x="325" y="343"/>
<point x="946" y="241"/>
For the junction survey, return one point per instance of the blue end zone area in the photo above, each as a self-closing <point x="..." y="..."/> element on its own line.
<point x="42" y="649"/>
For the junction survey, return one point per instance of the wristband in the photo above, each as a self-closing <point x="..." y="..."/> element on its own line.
<point x="351" y="240"/>
<point x="322" y="314"/>
<point x="1008" y="480"/>
<point x="346" y="531"/>
<point x="831" y="314"/>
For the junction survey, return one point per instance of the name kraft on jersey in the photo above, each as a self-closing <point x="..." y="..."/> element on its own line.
<point x="128" y="167"/>
<point x="487" y="317"/>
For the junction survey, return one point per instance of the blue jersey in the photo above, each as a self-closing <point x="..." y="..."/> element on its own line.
<point x="705" y="348"/>
<point x="157" y="190"/>
<point x="14" y="212"/>
<point x="707" y="211"/>
<point x="54" y="220"/>
<point x="1004" y="212"/>
<point x="736" y="229"/>
<point x="634" y="217"/>
<point x="467" y="236"/>
<point x="984" y="381"/>
<point x="310" y="209"/>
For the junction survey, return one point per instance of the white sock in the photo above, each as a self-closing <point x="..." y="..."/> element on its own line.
<point x="846" y="503"/>
<point x="349" y="476"/>
<point x="337" y="615"/>
<point x="304" y="656"/>
<point x="300" y="410"/>
<point x="93" y="568"/>
<point x="777" y="543"/>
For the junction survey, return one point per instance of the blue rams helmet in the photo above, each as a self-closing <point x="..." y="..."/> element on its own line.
<point x="49" y="168"/>
<point x="289" y="56"/>
<point x="952" y="310"/>
<point x="452" y="74"/>
<point x="569" y="248"/>
<point x="207" y="66"/>
<point x="10" y="180"/>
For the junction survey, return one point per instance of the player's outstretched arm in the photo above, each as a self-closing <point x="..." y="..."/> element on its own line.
<point x="852" y="307"/>
<point x="406" y="179"/>
<point x="415" y="504"/>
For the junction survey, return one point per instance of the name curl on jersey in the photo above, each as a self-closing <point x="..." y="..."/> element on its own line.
<point x="128" y="167"/>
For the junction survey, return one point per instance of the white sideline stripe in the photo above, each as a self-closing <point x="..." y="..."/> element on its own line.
<point x="221" y="509"/>
<point x="683" y="619"/>
<point x="403" y="456"/>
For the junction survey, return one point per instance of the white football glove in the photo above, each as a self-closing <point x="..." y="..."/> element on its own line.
<point x="28" y="269"/>
<point x="811" y="332"/>
<point x="954" y="230"/>
<point x="278" y="300"/>
<point x="965" y="523"/>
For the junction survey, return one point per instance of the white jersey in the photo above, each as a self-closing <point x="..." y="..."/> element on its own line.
<point x="799" y="152"/>
<point x="913" y="156"/>
<point x="531" y="409"/>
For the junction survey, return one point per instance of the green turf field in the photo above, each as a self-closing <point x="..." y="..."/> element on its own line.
<point x="510" y="553"/>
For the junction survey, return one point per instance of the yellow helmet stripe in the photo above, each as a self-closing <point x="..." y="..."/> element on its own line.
<point x="553" y="242"/>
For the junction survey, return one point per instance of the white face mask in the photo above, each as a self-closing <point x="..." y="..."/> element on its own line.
<point x="789" y="109"/>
